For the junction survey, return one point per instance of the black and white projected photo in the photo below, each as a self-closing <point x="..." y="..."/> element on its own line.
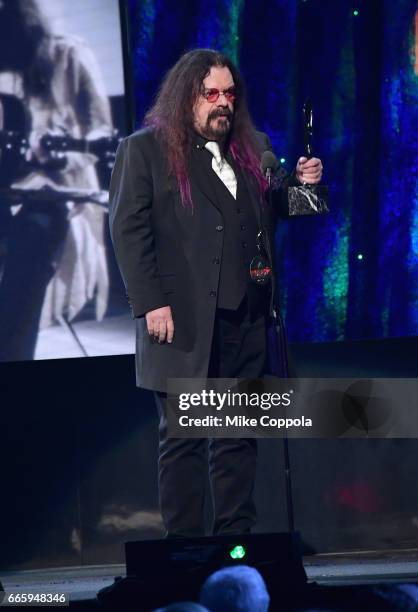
<point x="62" y="114"/>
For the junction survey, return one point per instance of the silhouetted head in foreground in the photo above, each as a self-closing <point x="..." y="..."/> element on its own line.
<point x="237" y="589"/>
<point x="183" y="606"/>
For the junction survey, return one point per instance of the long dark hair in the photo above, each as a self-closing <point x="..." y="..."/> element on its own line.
<point x="173" y="118"/>
<point x="25" y="44"/>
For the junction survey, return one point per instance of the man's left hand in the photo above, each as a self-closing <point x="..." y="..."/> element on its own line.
<point x="309" y="170"/>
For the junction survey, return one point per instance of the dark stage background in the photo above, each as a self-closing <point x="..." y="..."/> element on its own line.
<point x="79" y="463"/>
<point x="79" y="442"/>
<point x="355" y="273"/>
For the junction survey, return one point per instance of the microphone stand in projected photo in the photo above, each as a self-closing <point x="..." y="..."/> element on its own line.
<point x="52" y="194"/>
<point x="21" y="183"/>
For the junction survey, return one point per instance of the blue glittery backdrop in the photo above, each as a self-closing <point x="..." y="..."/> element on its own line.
<point x="353" y="273"/>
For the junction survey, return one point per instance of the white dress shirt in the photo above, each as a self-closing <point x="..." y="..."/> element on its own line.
<point x="222" y="168"/>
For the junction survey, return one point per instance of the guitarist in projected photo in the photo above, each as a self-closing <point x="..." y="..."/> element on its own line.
<point x="52" y="257"/>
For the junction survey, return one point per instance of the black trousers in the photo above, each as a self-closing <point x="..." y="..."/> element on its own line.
<point x="238" y="351"/>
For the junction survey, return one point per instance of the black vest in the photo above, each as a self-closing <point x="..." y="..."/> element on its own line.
<point x="239" y="243"/>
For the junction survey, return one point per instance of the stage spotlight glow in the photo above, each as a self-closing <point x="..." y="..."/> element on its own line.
<point x="355" y="13"/>
<point x="282" y="160"/>
<point x="238" y="552"/>
<point x="359" y="256"/>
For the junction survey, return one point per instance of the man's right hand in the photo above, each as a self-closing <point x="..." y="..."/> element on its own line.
<point x="160" y="324"/>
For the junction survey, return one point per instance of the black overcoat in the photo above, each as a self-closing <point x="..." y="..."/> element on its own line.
<point x="168" y="255"/>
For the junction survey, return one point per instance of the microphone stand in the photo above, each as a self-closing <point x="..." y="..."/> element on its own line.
<point x="65" y="323"/>
<point x="282" y="356"/>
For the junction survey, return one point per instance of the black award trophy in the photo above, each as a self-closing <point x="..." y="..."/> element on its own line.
<point x="308" y="199"/>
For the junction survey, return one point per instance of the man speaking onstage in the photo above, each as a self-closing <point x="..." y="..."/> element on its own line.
<point x="187" y="203"/>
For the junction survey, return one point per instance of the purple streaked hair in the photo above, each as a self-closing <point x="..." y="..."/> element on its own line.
<point x="173" y="120"/>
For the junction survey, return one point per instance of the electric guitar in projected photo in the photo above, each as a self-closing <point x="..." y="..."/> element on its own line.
<point x="15" y="125"/>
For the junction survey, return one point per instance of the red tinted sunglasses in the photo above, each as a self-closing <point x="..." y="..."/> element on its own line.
<point x="212" y="95"/>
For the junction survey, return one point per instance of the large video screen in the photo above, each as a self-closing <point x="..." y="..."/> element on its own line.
<point x="63" y="111"/>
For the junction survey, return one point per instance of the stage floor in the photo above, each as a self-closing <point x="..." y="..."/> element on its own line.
<point x="347" y="569"/>
<point x="368" y="567"/>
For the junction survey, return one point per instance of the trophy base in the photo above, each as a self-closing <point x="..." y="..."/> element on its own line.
<point x="308" y="200"/>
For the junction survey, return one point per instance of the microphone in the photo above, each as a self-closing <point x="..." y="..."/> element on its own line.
<point x="269" y="165"/>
